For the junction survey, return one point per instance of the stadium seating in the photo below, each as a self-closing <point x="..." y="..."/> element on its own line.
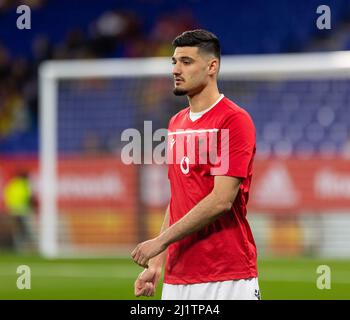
<point x="291" y="117"/>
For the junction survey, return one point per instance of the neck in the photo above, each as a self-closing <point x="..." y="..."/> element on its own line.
<point x="204" y="99"/>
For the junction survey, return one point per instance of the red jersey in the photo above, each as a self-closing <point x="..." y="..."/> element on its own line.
<point x="225" y="249"/>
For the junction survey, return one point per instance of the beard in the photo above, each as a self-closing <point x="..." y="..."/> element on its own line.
<point x="180" y="92"/>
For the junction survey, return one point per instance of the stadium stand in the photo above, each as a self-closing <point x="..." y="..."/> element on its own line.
<point x="145" y="28"/>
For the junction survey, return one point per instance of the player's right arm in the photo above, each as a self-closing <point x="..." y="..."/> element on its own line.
<point x="146" y="282"/>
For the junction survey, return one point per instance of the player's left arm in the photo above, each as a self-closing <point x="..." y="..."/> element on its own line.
<point x="205" y="212"/>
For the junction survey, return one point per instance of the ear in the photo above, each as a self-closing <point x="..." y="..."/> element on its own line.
<point x="213" y="66"/>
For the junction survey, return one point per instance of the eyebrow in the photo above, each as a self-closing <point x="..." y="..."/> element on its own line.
<point x="182" y="58"/>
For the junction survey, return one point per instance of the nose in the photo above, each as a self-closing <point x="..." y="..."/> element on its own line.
<point x="176" y="69"/>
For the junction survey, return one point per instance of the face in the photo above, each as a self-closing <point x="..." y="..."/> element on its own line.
<point x="192" y="70"/>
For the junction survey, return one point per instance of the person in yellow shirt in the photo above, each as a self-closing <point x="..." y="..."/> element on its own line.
<point x="18" y="203"/>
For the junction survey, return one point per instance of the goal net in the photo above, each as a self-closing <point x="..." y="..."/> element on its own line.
<point x="93" y="202"/>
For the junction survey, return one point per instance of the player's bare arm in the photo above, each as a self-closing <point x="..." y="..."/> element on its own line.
<point x="147" y="280"/>
<point x="205" y="212"/>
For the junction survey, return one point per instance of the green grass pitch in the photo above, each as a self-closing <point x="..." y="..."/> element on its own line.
<point x="113" y="278"/>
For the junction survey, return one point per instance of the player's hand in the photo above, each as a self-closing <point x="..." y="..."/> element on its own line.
<point x="147" y="250"/>
<point x="146" y="282"/>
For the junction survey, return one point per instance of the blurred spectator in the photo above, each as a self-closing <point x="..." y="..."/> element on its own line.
<point x="167" y="27"/>
<point x="13" y="114"/>
<point x="111" y="29"/>
<point x="4" y="61"/>
<point x="32" y="3"/>
<point x="6" y="5"/>
<point x="41" y="49"/>
<point x="19" y="203"/>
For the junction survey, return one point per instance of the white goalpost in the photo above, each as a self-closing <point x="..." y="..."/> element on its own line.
<point x="91" y="203"/>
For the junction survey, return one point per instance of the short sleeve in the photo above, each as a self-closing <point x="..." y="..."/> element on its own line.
<point x="236" y="146"/>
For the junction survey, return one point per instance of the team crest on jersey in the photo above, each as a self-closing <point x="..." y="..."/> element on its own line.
<point x="185" y="165"/>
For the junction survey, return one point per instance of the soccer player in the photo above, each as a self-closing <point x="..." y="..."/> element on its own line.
<point x="205" y="242"/>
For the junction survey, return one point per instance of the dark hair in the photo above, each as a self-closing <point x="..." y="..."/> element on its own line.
<point x="206" y="41"/>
